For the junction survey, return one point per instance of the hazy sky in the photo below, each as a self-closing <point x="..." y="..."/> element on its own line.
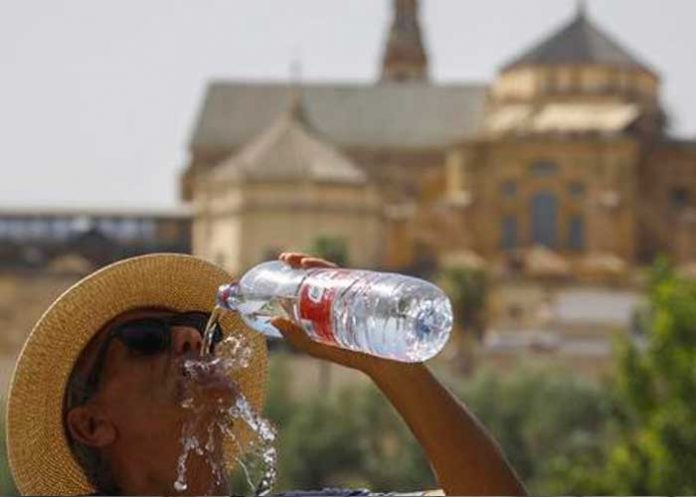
<point x="98" y="97"/>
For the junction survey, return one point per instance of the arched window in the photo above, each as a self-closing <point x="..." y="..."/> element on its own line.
<point x="544" y="216"/>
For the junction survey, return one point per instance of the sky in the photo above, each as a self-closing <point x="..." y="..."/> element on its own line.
<point x="98" y="97"/>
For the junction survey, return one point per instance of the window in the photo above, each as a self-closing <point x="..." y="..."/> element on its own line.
<point x="544" y="169"/>
<point x="508" y="238"/>
<point x="82" y="224"/>
<point x="128" y="229"/>
<point x="61" y="228"/>
<point x="544" y="217"/>
<point x="38" y="228"/>
<point x="576" y="233"/>
<point x="107" y="226"/>
<point x="576" y="190"/>
<point x="17" y="229"/>
<point x="508" y="189"/>
<point x="679" y="197"/>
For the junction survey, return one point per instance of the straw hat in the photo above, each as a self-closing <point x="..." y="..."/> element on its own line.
<point x="40" y="457"/>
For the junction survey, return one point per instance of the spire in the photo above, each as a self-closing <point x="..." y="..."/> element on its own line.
<point x="296" y="109"/>
<point x="405" y="58"/>
<point x="581" y="9"/>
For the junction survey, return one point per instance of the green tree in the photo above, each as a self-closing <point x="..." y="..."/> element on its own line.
<point x="320" y="445"/>
<point x="392" y="458"/>
<point x="350" y="438"/>
<point x="332" y="249"/>
<point x="468" y="289"/>
<point x="7" y="486"/>
<point x="655" y="451"/>
<point x="547" y="421"/>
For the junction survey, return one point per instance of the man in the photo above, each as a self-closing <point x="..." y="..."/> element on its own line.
<point x="96" y="399"/>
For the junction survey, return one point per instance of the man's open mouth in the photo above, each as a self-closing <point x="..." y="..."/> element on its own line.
<point x="204" y="382"/>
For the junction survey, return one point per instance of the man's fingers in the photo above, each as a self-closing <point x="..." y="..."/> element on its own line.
<point x="296" y="336"/>
<point x="300" y="260"/>
<point x="299" y="339"/>
<point x="308" y="262"/>
<point x="293" y="259"/>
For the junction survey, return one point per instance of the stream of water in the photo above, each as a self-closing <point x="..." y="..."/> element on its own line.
<point x="209" y="428"/>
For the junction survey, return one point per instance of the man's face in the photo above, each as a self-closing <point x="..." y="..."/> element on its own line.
<point x="138" y="405"/>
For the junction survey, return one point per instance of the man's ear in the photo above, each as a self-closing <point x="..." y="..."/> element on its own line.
<point x="89" y="427"/>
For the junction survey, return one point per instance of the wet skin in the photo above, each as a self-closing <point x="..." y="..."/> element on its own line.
<point x="135" y="418"/>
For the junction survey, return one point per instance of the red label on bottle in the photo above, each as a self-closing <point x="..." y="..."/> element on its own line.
<point x="316" y="302"/>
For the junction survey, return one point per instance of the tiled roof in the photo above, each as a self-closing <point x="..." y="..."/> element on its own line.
<point x="289" y="150"/>
<point x="580" y="42"/>
<point x="388" y="115"/>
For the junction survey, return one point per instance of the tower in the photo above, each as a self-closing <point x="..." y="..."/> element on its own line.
<point x="405" y="58"/>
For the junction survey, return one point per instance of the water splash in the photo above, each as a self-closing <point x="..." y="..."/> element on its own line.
<point x="209" y="333"/>
<point x="214" y="413"/>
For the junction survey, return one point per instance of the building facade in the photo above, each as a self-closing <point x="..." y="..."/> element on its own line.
<point x="566" y="149"/>
<point x="34" y="238"/>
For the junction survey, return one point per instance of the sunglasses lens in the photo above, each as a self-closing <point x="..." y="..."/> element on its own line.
<point x="146" y="337"/>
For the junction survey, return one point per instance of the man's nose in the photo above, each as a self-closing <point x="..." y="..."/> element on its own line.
<point x="186" y="340"/>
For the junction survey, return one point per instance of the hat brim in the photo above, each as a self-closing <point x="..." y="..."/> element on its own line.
<point x="40" y="457"/>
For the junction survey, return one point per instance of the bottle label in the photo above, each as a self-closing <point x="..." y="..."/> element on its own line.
<point x="317" y="295"/>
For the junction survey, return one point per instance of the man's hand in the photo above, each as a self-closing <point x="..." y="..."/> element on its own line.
<point x="299" y="339"/>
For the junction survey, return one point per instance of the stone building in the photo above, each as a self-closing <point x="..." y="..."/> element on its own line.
<point x="567" y="149"/>
<point x="286" y="189"/>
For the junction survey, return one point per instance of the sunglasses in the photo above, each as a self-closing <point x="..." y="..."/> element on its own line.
<point x="146" y="337"/>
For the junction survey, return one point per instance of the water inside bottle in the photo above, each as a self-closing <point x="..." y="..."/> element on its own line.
<point x="209" y="431"/>
<point x="258" y="312"/>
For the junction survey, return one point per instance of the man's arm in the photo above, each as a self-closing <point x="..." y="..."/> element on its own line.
<point x="464" y="457"/>
<point x="466" y="460"/>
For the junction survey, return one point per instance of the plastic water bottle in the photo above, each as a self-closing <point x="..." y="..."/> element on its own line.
<point x="387" y="315"/>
